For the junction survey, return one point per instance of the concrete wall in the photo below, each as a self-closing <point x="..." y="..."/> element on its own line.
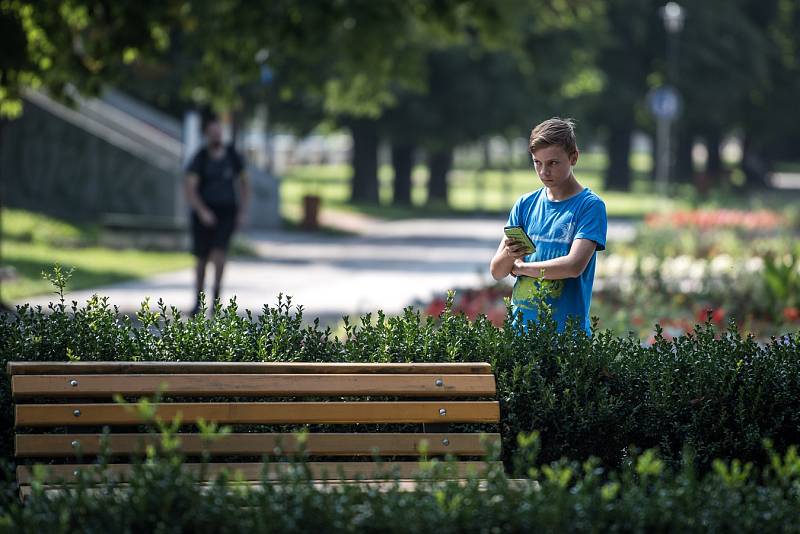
<point x="81" y="164"/>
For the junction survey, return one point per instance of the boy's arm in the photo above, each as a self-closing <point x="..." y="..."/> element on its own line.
<point x="503" y="260"/>
<point x="569" y="266"/>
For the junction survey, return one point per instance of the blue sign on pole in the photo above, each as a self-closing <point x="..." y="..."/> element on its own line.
<point x="665" y="102"/>
<point x="266" y="75"/>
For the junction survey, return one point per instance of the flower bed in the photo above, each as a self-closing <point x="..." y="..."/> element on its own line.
<point x="754" y="221"/>
<point x="760" y="295"/>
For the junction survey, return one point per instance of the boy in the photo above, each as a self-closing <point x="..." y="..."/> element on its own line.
<point x="567" y="223"/>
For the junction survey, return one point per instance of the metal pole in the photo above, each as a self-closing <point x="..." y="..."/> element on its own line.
<point x="269" y="149"/>
<point x="673" y="15"/>
<point x="670" y="130"/>
<point x="663" y="155"/>
<point x="191" y="143"/>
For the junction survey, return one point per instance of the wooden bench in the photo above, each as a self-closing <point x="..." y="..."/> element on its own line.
<point x="62" y="407"/>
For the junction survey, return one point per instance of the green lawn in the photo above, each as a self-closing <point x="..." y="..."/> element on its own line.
<point x="471" y="191"/>
<point x="32" y="243"/>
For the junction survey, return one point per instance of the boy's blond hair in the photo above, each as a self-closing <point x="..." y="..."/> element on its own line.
<point x="555" y="131"/>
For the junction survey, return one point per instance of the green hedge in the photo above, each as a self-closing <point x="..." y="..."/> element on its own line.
<point x="642" y="496"/>
<point x="717" y="394"/>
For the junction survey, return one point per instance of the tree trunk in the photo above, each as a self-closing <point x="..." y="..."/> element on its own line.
<point x="439" y="164"/>
<point x="684" y="166"/>
<point x="618" y="172"/>
<point x="365" y="161"/>
<point x="3" y="306"/>
<point x="755" y="165"/>
<point x="403" y="163"/>
<point x="714" y="168"/>
<point x="714" y="149"/>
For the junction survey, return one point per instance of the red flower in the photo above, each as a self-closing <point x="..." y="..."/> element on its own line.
<point x="701" y="315"/>
<point x="791" y="314"/>
<point x="497" y="315"/>
<point x="436" y="307"/>
<point x="709" y="219"/>
<point x="717" y="315"/>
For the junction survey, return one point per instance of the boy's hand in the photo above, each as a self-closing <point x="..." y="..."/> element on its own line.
<point x="516" y="269"/>
<point x="514" y="249"/>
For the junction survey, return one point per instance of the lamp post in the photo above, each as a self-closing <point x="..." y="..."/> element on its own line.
<point x="665" y="100"/>
<point x="673" y="16"/>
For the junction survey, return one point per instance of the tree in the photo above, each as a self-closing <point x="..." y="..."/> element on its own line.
<point x="480" y="88"/>
<point x="76" y="46"/>
<point x="769" y="121"/>
<point x="472" y="92"/>
<point x="349" y="57"/>
<point x="735" y="71"/>
<point x="626" y="42"/>
<point x="71" y="47"/>
<point x="744" y="79"/>
<point x="716" y="78"/>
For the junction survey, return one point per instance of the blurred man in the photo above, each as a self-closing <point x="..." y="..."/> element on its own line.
<point x="218" y="192"/>
<point x="566" y="222"/>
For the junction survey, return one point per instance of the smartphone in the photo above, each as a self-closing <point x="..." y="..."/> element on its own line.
<point x="518" y="234"/>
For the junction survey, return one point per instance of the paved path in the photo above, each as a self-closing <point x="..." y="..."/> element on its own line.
<point x="385" y="265"/>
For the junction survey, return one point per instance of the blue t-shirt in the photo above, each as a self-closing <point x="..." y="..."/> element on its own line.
<point x="553" y="226"/>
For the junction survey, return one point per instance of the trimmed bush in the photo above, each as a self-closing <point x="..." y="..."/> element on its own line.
<point x="642" y="496"/>
<point x="715" y="393"/>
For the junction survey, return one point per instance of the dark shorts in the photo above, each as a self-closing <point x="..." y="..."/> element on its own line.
<point x="205" y="238"/>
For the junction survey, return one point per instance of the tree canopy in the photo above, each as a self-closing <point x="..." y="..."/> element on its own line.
<point x="77" y="45"/>
<point x="433" y="73"/>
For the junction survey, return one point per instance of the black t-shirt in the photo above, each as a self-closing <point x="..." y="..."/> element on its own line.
<point x="217" y="176"/>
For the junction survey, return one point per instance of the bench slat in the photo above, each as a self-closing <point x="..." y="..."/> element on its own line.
<point x="53" y="368"/>
<point x="254" y="385"/>
<point x="320" y="444"/>
<point x="253" y="471"/>
<point x="264" y="413"/>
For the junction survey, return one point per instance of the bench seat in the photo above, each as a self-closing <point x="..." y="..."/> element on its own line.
<point x="359" y="421"/>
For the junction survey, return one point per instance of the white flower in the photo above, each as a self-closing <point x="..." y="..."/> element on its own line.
<point x="721" y="265"/>
<point x="677" y="267"/>
<point x="629" y="266"/>
<point x="649" y="265"/>
<point x="697" y="270"/>
<point x="754" y="265"/>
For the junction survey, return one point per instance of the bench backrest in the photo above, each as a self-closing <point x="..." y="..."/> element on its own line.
<point x="63" y="406"/>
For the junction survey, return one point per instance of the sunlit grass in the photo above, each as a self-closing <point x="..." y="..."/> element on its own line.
<point x="94" y="266"/>
<point x="32" y="243"/>
<point x="471" y="191"/>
